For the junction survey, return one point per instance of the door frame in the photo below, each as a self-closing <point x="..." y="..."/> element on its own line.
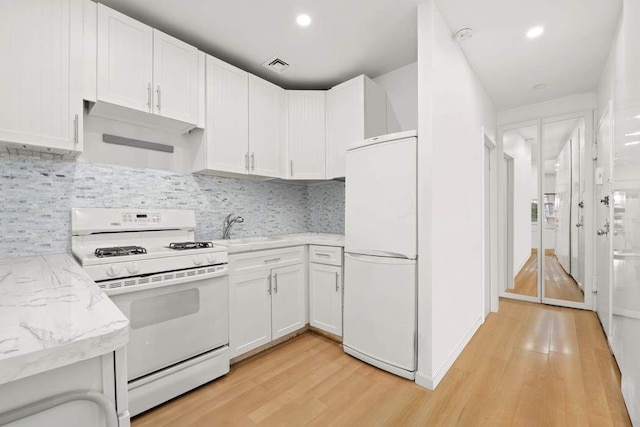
<point x="492" y="287"/>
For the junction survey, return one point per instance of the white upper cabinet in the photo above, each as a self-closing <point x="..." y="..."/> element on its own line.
<point x="306" y="135"/>
<point x="125" y="60"/>
<point x="145" y="71"/>
<point x="356" y="110"/>
<point x="175" y="78"/>
<point x="267" y="128"/>
<point x="226" y="142"/>
<point x="41" y="85"/>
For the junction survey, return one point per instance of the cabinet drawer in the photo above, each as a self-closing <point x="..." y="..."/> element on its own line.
<point x="330" y="255"/>
<point x="265" y="260"/>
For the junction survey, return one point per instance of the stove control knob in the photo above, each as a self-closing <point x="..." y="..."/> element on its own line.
<point x="196" y="260"/>
<point x="134" y="268"/>
<point x="211" y="259"/>
<point x="113" y="271"/>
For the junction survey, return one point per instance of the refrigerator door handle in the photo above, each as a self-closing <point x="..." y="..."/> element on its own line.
<point x="378" y="253"/>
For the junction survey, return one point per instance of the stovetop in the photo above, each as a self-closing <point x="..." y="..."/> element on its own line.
<point x="119" y="251"/>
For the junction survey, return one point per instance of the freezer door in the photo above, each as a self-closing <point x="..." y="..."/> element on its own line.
<point x="381" y="194"/>
<point x="380" y="309"/>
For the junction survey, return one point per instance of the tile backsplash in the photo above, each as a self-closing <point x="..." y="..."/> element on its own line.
<point x="36" y="197"/>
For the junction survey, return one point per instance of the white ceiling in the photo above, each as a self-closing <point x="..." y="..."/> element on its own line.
<point x="346" y="37"/>
<point x="568" y="57"/>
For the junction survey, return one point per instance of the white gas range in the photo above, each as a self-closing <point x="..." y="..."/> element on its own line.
<point x="173" y="290"/>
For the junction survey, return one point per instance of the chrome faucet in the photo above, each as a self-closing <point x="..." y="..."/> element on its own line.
<point x="228" y="223"/>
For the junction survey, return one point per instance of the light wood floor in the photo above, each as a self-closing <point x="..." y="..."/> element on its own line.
<point x="529" y="365"/>
<point x="558" y="284"/>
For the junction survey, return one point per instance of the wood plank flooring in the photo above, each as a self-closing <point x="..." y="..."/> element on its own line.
<point x="558" y="284"/>
<point x="528" y="365"/>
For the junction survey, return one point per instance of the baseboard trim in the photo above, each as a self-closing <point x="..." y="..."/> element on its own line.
<point x="431" y="382"/>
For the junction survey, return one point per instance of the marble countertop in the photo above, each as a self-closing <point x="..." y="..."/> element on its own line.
<point x="250" y="244"/>
<point x="51" y="315"/>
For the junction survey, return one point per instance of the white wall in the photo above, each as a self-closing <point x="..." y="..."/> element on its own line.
<point x="525" y="180"/>
<point x="453" y="108"/>
<point x="402" y="97"/>
<point x="555" y="107"/>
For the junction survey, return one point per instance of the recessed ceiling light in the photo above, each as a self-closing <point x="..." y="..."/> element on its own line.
<point x="535" y="32"/>
<point x="633" y="143"/>
<point x="540" y="86"/>
<point x="303" y="20"/>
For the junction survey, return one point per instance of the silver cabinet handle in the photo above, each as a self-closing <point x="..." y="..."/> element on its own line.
<point x="149" y="96"/>
<point x="246" y="161"/>
<point x="337" y="282"/>
<point x="253" y="161"/>
<point x="323" y="255"/>
<point x="269" y="288"/>
<point x="272" y="260"/>
<point x="275" y="283"/>
<point x="159" y="98"/>
<point x="291" y="161"/>
<point x="76" y="134"/>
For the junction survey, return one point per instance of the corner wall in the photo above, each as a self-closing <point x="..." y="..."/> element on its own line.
<point x="453" y="108"/>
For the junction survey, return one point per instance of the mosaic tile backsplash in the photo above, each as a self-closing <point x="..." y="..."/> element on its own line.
<point x="36" y="197"/>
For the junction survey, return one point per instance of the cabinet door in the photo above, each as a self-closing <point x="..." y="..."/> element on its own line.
<point x="227" y="117"/>
<point x="325" y="298"/>
<point x="267" y="127"/>
<point x="41" y="84"/>
<point x="288" y="300"/>
<point x="306" y="134"/>
<point x="345" y="123"/>
<point x="175" y="78"/>
<point x="249" y="311"/>
<point x="125" y="60"/>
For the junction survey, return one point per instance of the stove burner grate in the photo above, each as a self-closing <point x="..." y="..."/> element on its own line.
<point x="119" y="251"/>
<point x="190" y="245"/>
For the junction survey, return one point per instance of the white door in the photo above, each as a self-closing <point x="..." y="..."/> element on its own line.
<point x="227" y="117"/>
<point x="175" y="77"/>
<point x="125" y="60"/>
<point x="604" y="247"/>
<point x="325" y="297"/>
<point x="345" y="123"/>
<point x="380" y="309"/>
<point x="41" y="83"/>
<point x="381" y="197"/>
<point x="249" y="311"/>
<point x="267" y="127"/>
<point x="288" y="307"/>
<point x="306" y="147"/>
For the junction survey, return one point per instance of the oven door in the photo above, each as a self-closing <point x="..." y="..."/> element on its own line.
<point x="172" y="323"/>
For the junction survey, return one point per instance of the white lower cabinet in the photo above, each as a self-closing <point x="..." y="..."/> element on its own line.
<point x="325" y="298"/>
<point x="287" y="300"/>
<point x="250" y="311"/>
<point x="267" y="304"/>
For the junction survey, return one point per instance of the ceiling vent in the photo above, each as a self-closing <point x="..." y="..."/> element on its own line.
<point x="276" y="64"/>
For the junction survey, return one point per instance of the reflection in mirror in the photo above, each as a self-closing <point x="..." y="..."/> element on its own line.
<point x="520" y="188"/>
<point x="563" y="148"/>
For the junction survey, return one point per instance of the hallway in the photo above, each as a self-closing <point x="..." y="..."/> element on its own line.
<point x="558" y="284"/>
<point x="530" y="364"/>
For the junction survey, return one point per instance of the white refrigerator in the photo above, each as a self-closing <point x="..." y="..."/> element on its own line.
<point x="380" y="314"/>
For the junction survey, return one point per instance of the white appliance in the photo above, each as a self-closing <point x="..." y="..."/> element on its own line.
<point x="173" y="290"/>
<point x="380" y="287"/>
